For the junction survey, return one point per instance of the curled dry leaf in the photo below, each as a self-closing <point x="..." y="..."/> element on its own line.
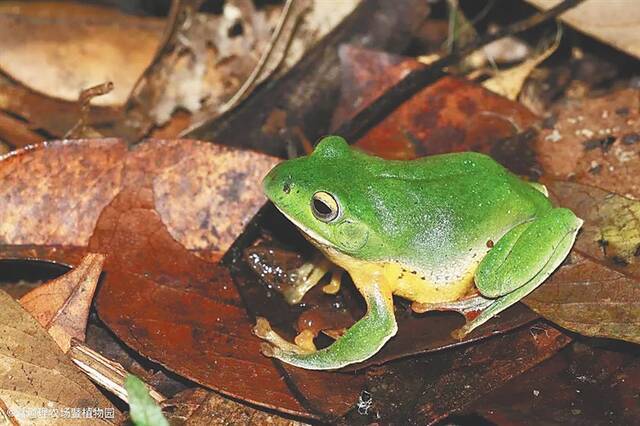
<point x="39" y="384"/>
<point x="62" y="305"/>
<point x="597" y="292"/>
<point x="595" y="141"/>
<point x="615" y="22"/>
<point x="61" y="49"/>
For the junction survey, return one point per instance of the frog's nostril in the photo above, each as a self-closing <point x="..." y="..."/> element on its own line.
<point x="286" y="187"/>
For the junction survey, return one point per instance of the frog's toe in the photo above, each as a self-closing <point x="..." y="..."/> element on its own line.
<point x="304" y="279"/>
<point x="274" y="343"/>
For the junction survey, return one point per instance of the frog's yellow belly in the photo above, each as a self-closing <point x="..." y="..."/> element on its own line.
<point x="406" y="282"/>
<point x="414" y="286"/>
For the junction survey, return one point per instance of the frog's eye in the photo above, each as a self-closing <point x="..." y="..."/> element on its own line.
<point x="324" y="206"/>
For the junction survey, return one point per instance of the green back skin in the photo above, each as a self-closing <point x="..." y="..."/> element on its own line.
<point x="424" y="213"/>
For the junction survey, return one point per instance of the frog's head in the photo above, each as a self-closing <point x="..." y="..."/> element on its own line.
<point x="319" y="194"/>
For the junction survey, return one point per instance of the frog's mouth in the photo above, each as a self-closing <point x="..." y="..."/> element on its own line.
<point x="308" y="233"/>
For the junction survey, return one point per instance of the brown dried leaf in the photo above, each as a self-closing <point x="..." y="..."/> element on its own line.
<point x="59" y="49"/>
<point x="580" y="386"/>
<point x="595" y="141"/>
<point x="157" y="297"/>
<point x="198" y="407"/>
<point x="37" y="375"/>
<point x="450" y="115"/>
<point x="597" y="292"/>
<point x="62" y="305"/>
<point x="55" y="192"/>
<point x="177" y="309"/>
<point x="424" y="390"/>
<point x="614" y="22"/>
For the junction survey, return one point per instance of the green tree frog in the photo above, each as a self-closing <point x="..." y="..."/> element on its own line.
<point x="427" y="230"/>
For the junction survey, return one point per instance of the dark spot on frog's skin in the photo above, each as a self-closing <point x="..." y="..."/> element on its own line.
<point x="414" y="272"/>
<point x="631" y="138"/>
<point x="423" y="278"/>
<point x="490" y="243"/>
<point x="622" y="111"/>
<point x="619" y="261"/>
<point x="604" y="144"/>
<point x="286" y="187"/>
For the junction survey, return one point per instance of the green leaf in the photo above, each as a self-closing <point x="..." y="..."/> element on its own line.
<point x="143" y="410"/>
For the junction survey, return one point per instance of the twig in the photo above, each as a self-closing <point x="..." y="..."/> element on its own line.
<point x="279" y="38"/>
<point x="80" y="129"/>
<point x="419" y="78"/>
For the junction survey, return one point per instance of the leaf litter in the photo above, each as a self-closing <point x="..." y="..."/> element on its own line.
<point x="135" y="202"/>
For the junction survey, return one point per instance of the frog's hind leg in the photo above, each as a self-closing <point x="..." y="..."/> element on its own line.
<point x="358" y="343"/>
<point x="522" y="259"/>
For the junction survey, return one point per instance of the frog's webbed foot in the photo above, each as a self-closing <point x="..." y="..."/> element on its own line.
<point x="307" y="276"/>
<point x="277" y="344"/>
<point x="358" y="343"/>
<point x="466" y="306"/>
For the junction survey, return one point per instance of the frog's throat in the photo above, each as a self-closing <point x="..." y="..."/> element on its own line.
<point x="309" y="234"/>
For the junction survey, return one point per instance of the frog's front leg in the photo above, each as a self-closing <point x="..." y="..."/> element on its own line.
<point x="359" y="342"/>
<point x="305" y="278"/>
<point x="521" y="260"/>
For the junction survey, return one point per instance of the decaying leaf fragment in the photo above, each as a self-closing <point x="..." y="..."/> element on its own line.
<point x="38" y="384"/>
<point x="597" y="290"/>
<point x="62" y="305"/>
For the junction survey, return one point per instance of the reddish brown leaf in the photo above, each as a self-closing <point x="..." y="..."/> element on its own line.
<point x="177" y="309"/>
<point x="480" y="369"/>
<point x="450" y="115"/>
<point x="198" y="407"/>
<point x="54" y="192"/>
<point x="62" y="305"/>
<point x="426" y="389"/>
<point x="159" y="298"/>
<point x="582" y="385"/>
<point x="595" y="141"/>
<point x="597" y="291"/>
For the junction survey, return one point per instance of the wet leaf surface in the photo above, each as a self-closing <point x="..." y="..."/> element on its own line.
<point x="330" y="393"/>
<point x="426" y="389"/>
<point x="581" y="385"/>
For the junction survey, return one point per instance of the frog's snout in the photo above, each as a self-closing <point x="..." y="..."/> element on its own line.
<point x="275" y="185"/>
